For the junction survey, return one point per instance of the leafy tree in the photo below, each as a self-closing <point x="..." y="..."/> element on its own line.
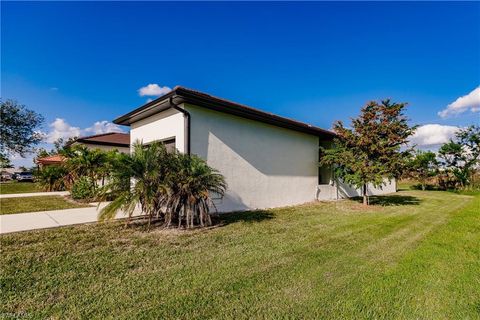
<point x="63" y="147"/>
<point x="60" y="147"/>
<point x="42" y="153"/>
<point x="19" y="128"/>
<point x="370" y="151"/>
<point x="423" y="166"/>
<point x="5" y="162"/>
<point x="462" y="155"/>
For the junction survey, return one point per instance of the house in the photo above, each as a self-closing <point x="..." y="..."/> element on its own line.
<point x="267" y="160"/>
<point x="106" y="141"/>
<point x="7" y="173"/>
<point x="53" y="160"/>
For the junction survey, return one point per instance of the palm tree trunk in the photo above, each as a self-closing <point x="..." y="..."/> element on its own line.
<point x="168" y="218"/>
<point x="180" y="217"/>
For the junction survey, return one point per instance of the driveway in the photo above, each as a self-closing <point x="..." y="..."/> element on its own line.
<point x="50" y="219"/>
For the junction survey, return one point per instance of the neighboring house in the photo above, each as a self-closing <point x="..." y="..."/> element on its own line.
<point x="267" y="160"/>
<point x="7" y="173"/>
<point x="53" y="160"/>
<point x="106" y="141"/>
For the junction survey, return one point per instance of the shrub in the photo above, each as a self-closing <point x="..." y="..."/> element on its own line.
<point x="52" y="178"/>
<point x="83" y="189"/>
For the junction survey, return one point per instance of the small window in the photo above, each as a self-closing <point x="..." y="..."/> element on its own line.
<point x="169" y="145"/>
<point x="325" y="173"/>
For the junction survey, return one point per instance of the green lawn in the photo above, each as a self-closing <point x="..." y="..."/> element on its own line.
<point x="414" y="256"/>
<point x="32" y="204"/>
<point x="19" y="187"/>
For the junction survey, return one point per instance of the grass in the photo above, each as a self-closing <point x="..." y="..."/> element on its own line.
<point x="416" y="255"/>
<point x="19" y="187"/>
<point x="33" y="204"/>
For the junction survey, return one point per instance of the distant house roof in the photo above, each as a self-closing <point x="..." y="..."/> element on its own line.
<point x="55" y="159"/>
<point x="181" y="95"/>
<point x="115" y="139"/>
<point x="9" y="170"/>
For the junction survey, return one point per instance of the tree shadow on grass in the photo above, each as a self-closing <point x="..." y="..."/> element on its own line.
<point x="390" y="200"/>
<point x="245" y="216"/>
<point x="218" y="220"/>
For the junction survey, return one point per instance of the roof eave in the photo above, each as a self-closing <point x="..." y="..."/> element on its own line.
<point x="125" y="119"/>
<point x="219" y="105"/>
<point x="250" y="113"/>
<point x="102" y="143"/>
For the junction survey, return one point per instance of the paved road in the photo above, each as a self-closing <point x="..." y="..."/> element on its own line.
<point x="34" y="194"/>
<point x="49" y="219"/>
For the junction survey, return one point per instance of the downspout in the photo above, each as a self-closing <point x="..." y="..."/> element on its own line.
<point x="186" y="124"/>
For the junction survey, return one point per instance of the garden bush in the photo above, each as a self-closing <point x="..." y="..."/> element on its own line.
<point x="52" y="178"/>
<point x="83" y="189"/>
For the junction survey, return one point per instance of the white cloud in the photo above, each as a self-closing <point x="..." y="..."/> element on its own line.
<point x="153" y="89"/>
<point x="62" y="129"/>
<point x="26" y="162"/>
<point x="433" y="135"/>
<point x="104" y="126"/>
<point x="463" y="104"/>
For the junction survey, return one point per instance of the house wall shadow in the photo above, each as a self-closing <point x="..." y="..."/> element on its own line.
<point x="264" y="166"/>
<point x="271" y="150"/>
<point x="231" y="201"/>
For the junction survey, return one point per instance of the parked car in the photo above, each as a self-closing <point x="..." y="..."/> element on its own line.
<point x="6" y="176"/>
<point x="15" y="175"/>
<point x="25" y="176"/>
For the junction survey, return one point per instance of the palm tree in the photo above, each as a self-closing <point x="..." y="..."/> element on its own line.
<point x="168" y="186"/>
<point x="191" y="184"/>
<point x="52" y="178"/>
<point x="86" y="162"/>
<point x="145" y="167"/>
<point x="110" y="158"/>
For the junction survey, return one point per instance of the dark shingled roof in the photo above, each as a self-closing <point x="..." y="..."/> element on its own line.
<point x="109" y="139"/>
<point x="181" y="95"/>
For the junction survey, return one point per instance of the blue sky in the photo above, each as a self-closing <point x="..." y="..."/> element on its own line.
<point x="84" y="62"/>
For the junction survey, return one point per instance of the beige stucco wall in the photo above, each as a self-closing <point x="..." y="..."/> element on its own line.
<point x="265" y="166"/>
<point x="343" y="190"/>
<point x="105" y="148"/>
<point x="161" y="126"/>
<point x="389" y="186"/>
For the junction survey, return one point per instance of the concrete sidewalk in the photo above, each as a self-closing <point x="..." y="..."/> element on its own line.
<point x="50" y="219"/>
<point x="34" y="194"/>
